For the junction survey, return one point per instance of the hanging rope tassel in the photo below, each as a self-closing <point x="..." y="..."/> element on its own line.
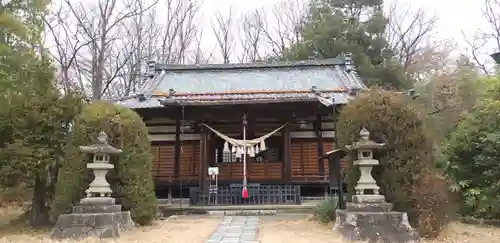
<point x="252" y="152"/>
<point x="257" y="149"/>
<point x="226" y="147"/>
<point x="238" y="152"/>
<point x="263" y="145"/>
<point x="233" y="149"/>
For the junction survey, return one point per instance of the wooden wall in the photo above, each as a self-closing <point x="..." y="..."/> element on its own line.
<point x="255" y="171"/>
<point x="303" y="152"/>
<point x="304" y="157"/>
<point x="164" y="161"/>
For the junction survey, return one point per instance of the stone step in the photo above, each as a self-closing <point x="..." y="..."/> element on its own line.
<point x="369" y="207"/>
<point x="172" y="201"/>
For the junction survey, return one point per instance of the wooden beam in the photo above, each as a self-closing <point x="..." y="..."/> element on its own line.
<point x="203" y="155"/>
<point x="319" y="139"/>
<point x="287" y="150"/>
<point x="235" y="112"/>
<point x="177" y="151"/>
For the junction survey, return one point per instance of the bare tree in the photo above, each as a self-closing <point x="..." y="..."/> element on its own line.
<point x="65" y="47"/>
<point x="150" y="36"/>
<point x="102" y="48"/>
<point x="96" y="62"/>
<point x="434" y="57"/>
<point x="251" y="35"/>
<point x="179" y="30"/>
<point x="409" y="34"/>
<point x="138" y="46"/>
<point x="486" y="38"/>
<point x="223" y="27"/>
<point x="286" y="20"/>
<point x="200" y="56"/>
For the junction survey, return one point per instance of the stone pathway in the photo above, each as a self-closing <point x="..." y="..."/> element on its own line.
<point x="236" y="229"/>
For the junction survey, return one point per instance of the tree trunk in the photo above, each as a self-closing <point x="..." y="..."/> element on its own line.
<point x="39" y="209"/>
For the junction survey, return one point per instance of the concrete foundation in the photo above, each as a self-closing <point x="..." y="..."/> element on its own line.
<point x="100" y="221"/>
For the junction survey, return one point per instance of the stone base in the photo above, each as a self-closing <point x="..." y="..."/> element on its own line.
<point x="100" y="221"/>
<point x="370" y="198"/>
<point x="383" y="227"/>
<point x="97" y="209"/>
<point x="98" y="201"/>
<point x="369" y="207"/>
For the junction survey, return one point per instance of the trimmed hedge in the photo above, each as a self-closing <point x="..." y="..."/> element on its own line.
<point x="406" y="160"/>
<point x="131" y="179"/>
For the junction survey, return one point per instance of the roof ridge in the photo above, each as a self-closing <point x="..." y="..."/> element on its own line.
<point x="337" y="61"/>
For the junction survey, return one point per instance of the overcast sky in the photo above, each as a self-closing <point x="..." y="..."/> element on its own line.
<point x="455" y="15"/>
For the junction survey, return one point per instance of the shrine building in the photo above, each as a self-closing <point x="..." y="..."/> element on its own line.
<point x="268" y="123"/>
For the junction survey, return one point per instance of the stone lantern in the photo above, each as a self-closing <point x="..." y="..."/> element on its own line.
<point x="99" y="191"/>
<point x="365" y="148"/>
<point x="97" y="215"/>
<point x="369" y="217"/>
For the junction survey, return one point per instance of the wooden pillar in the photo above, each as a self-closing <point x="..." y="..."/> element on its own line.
<point x="319" y="139"/>
<point x="177" y="151"/>
<point x="287" y="154"/>
<point x="203" y="160"/>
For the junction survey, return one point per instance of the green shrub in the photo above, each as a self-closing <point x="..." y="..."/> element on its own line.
<point x="325" y="211"/>
<point x="131" y="179"/>
<point x="408" y="156"/>
<point x="473" y="160"/>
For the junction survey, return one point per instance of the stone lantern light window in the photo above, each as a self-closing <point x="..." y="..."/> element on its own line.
<point x="365" y="154"/>
<point x="101" y="158"/>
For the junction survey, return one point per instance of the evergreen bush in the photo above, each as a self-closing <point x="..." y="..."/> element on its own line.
<point x="131" y="179"/>
<point x="404" y="162"/>
<point x="325" y="211"/>
<point x="473" y="160"/>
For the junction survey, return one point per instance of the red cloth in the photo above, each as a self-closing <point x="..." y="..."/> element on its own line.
<point x="244" y="193"/>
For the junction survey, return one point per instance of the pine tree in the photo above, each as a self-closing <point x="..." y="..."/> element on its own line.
<point x="33" y="117"/>
<point x="336" y="27"/>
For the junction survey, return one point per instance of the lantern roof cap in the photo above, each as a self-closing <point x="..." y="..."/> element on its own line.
<point x="101" y="146"/>
<point x="365" y="142"/>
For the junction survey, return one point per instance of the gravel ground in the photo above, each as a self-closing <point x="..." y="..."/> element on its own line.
<point x="302" y="230"/>
<point x="177" y="229"/>
<point x="281" y="229"/>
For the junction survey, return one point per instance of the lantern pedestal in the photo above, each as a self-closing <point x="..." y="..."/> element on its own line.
<point x="369" y="217"/>
<point x="97" y="215"/>
<point x="375" y="224"/>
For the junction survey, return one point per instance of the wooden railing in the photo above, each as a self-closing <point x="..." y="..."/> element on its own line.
<point x="257" y="194"/>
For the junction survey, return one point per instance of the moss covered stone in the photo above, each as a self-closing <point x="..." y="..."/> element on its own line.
<point x="407" y="159"/>
<point x="131" y="179"/>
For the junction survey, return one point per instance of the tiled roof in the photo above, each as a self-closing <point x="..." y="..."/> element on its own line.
<point x="218" y="84"/>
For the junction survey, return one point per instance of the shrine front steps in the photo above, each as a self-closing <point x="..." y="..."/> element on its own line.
<point x="99" y="221"/>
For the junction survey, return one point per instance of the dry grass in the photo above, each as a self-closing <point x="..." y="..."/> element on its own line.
<point x="182" y="229"/>
<point x="465" y="233"/>
<point x="185" y="229"/>
<point x="307" y="231"/>
<point x="296" y="231"/>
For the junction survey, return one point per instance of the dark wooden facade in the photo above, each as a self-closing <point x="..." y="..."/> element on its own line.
<point x="182" y="155"/>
